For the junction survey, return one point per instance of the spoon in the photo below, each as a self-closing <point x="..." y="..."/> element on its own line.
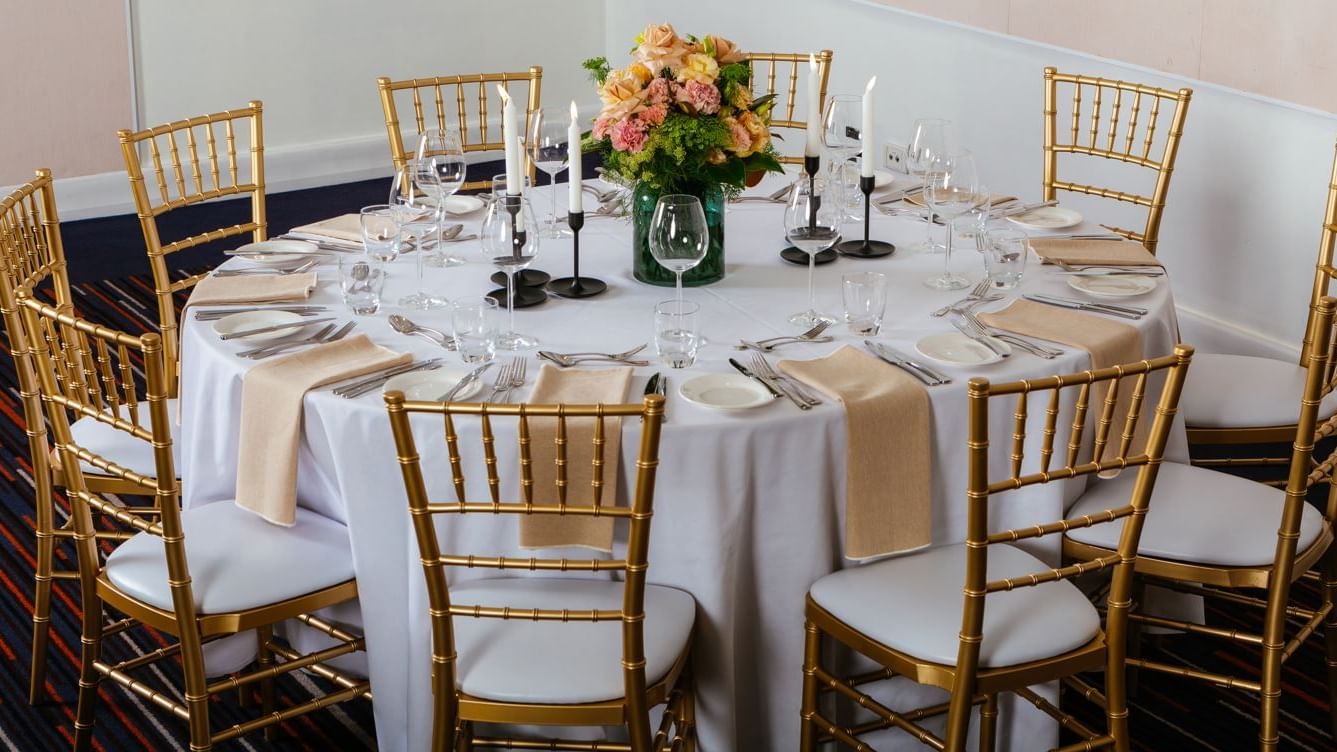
<point x="404" y="326"/>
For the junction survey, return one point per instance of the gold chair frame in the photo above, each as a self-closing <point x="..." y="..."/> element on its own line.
<point x="969" y="683"/>
<point x="88" y="370"/>
<point x="187" y="177"/>
<point x="485" y="83"/>
<point x="1128" y="151"/>
<point x="1276" y="578"/>
<point x="455" y="712"/>
<point x="785" y="105"/>
<point x="1324" y="273"/>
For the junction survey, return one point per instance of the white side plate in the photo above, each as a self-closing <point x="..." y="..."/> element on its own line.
<point x="276" y="252"/>
<point x="1113" y="285"/>
<point x="429" y="386"/>
<point x="956" y="349"/>
<point x="725" y="391"/>
<point x="240" y="322"/>
<point x="1048" y="218"/>
<point x="463" y="204"/>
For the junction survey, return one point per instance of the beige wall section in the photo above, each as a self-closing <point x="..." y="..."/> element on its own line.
<point x="67" y="87"/>
<point x="1277" y="48"/>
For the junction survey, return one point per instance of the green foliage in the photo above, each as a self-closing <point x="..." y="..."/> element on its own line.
<point x="733" y="73"/>
<point x="598" y="68"/>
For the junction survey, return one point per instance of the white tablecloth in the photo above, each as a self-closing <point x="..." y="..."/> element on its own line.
<point x="748" y="510"/>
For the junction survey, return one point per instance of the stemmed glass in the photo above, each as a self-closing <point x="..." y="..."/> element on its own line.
<point x="840" y="134"/>
<point x="510" y="240"/>
<point x="812" y="225"/>
<point x="442" y="152"/>
<point x="415" y="208"/>
<point x="678" y="234"/>
<point x="951" y="188"/>
<point x="933" y="137"/>
<point x="548" y="148"/>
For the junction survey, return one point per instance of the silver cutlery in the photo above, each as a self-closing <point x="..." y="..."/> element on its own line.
<point x="517" y="377"/>
<point x="218" y="313"/>
<point x="978" y="294"/>
<point x="324" y="242"/>
<point x="303" y="267"/>
<point x="468" y="379"/>
<point x="320" y="338"/>
<point x="775" y="391"/>
<point x="771" y="346"/>
<point x="271" y="328"/>
<point x="1013" y="211"/>
<point x="892" y="198"/>
<point x="779" y="197"/>
<point x="1034" y="348"/>
<point x="1152" y="272"/>
<point x="780" y="386"/>
<point x="601" y="196"/>
<point x="1114" y="306"/>
<point x="1080" y="236"/>
<point x="449" y="233"/>
<point x="502" y="384"/>
<point x="1083" y="306"/>
<point x="403" y="325"/>
<point x="763" y="367"/>
<point x="610" y="356"/>
<point x="566" y="361"/>
<point x="320" y="334"/>
<point x="812" y="333"/>
<point x="1145" y="269"/>
<point x="981" y="338"/>
<point x="367" y="383"/>
<point x="922" y="372"/>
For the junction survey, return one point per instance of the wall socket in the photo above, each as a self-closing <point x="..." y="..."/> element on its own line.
<point x="894" y="157"/>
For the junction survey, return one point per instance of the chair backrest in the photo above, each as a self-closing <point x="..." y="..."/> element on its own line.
<point x="1324" y="271"/>
<point x="1098" y="396"/>
<point x="205" y="159"/>
<point x="778" y="69"/>
<point x="460" y="103"/>
<point x="633" y="567"/>
<point x="1104" y="132"/>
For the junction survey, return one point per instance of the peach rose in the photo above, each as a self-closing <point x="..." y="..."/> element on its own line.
<point x="699" y="67"/>
<point x="726" y="52"/>
<point x="660" y="47"/>
<point x="641" y="72"/>
<point x="622" y="95"/>
<point x="755" y="128"/>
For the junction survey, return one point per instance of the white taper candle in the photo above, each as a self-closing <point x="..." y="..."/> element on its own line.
<point x="813" y="146"/>
<point x="573" y="166"/>
<point x="866" y="131"/>
<point x="510" y="139"/>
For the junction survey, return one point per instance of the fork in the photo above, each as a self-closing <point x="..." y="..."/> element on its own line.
<point x="567" y="361"/>
<point x="322" y="332"/>
<point x="764" y="369"/>
<point x="820" y="327"/>
<point x="280" y="349"/>
<point x="503" y="381"/>
<point x="1033" y="348"/>
<point x="979" y="293"/>
<point x="517" y="378"/>
<point x="610" y="356"/>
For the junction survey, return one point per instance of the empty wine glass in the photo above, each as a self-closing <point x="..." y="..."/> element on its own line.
<point x="444" y="155"/>
<point x="510" y="240"/>
<point x="679" y="236"/>
<point x="932" y="137"/>
<point x="548" y="141"/>
<point x="951" y="188"/>
<point x="812" y="225"/>
<point x="840" y="134"/>
<point x="415" y="207"/>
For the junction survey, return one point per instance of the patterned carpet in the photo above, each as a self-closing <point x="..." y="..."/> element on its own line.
<point x="1168" y="714"/>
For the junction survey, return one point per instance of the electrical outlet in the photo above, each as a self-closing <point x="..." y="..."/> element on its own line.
<point x="893" y="157"/>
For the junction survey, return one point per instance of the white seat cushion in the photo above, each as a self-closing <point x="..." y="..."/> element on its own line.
<point x="1198" y="515"/>
<point x="548" y="662"/>
<point x="913" y="604"/>
<point x="119" y="446"/>
<point x="237" y="560"/>
<point x="1238" y="391"/>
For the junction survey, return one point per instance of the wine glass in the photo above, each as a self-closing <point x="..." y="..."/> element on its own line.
<point x="812" y="225"/>
<point x="413" y="204"/>
<point x="951" y="188"/>
<point x="510" y="240"/>
<point x="840" y="134"/>
<point x="548" y="142"/>
<point x="932" y="137"/>
<point x="443" y="153"/>
<point x="679" y="236"/>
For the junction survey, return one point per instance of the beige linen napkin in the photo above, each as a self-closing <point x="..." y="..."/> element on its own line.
<point x="1110" y="343"/>
<point x="345" y="227"/>
<point x="574" y="387"/>
<point x="888" y="473"/>
<point x="1076" y="251"/>
<point x="258" y="288"/>
<point x="271" y="418"/>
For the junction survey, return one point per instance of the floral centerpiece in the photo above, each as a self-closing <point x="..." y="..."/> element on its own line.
<point x="681" y="119"/>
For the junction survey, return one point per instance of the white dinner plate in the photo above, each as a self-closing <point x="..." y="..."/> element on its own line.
<point x="1112" y="285"/>
<point x="1048" y="218"/>
<point x="956" y="349"/>
<point x="463" y="204"/>
<point x="724" y="391"/>
<point x="883" y="179"/>
<point x="429" y="386"/>
<point x="276" y="252"/>
<point x="240" y="322"/>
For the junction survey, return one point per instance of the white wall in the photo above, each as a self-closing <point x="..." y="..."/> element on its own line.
<point x="1245" y="206"/>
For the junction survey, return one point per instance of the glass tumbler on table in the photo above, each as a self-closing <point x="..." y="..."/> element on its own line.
<point x="473" y="321"/>
<point x="676" y="335"/>
<point x="548" y="149"/>
<point x="380" y="232"/>
<point x="1005" y="254"/>
<point x="812" y="224"/>
<point x="361" y="282"/>
<point x="865" y="296"/>
<point x="441" y="153"/>
<point x="510" y="241"/>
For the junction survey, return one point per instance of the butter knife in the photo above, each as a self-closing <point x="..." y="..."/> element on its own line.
<point x="354" y="388"/>
<point x="274" y="328"/>
<point x="983" y="339"/>
<point x="1078" y="305"/>
<point x="743" y="370"/>
<point x="472" y="376"/>
<point x="922" y="372"/>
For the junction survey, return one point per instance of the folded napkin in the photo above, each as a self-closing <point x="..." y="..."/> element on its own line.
<point x="1075" y="251"/>
<point x="257" y="288"/>
<point x="1110" y="343"/>
<point x="574" y="387"/>
<point x="271" y="418"/>
<point x="347" y="227"/>
<point x="888" y="473"/>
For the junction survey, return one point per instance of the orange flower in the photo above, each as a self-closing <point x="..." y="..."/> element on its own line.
<point x="660" y="47"/>
<point x="726" y="52"/>
<point x="622" y="95"/>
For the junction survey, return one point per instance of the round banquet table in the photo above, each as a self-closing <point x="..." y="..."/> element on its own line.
<point x="749" y="505"/>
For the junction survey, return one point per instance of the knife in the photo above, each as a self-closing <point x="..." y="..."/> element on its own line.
<point x="983" y="339"/>
<point x="652" y="386"/>
<point x="923" y="373"/>
<point x="1081" y="305"/>
<point x="274" y="328"/>
<point x="382" y="376"/>
<point x="743" y="370"/>
<point x="466" y="381"/>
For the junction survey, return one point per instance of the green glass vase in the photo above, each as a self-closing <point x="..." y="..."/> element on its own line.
<point x="644" y="266"/>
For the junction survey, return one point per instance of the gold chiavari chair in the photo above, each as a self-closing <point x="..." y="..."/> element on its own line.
<point x="1215" y="535"/>
<point x="32" y="261"/>
<point x="1134" y="142"/>
<point x="204" y="163"/>
<point x="432" y="108"/>
<point x="1020" y="622"/>
<point x="765" y="66"/>
<point x="1239" y="400"/>
<point x="549" y="650"/>
<point x="199" y="574"/>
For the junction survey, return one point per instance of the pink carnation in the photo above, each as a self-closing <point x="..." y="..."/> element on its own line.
<point x="654" y="114"/>
<point x="601" y="127"/>
<point x="742" y="140"/>
<point x="699" y="97"/>
<point x="658" y="92"/>
<point x="629" y="135"/>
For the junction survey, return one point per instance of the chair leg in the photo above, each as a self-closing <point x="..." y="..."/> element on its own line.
<point x="687" y="717"/>
<point x="812" y="657"/>
<point x="989" y="723"/>
<point x="1329" y="571"/>
<point x="265" y="658"/>
<point x="88" y="677"/>
<point x="1274" y="640"/>
<point x="197" y="694"/>
<point x="41" y="614"/>
<point x="1134" y="643"/>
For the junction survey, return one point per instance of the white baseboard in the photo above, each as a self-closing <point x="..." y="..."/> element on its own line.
<point x="1210" y="334"/>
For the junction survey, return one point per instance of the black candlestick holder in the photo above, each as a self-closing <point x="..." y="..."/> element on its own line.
<point x="866" y="248"/>
<point x="576" y="286"/>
